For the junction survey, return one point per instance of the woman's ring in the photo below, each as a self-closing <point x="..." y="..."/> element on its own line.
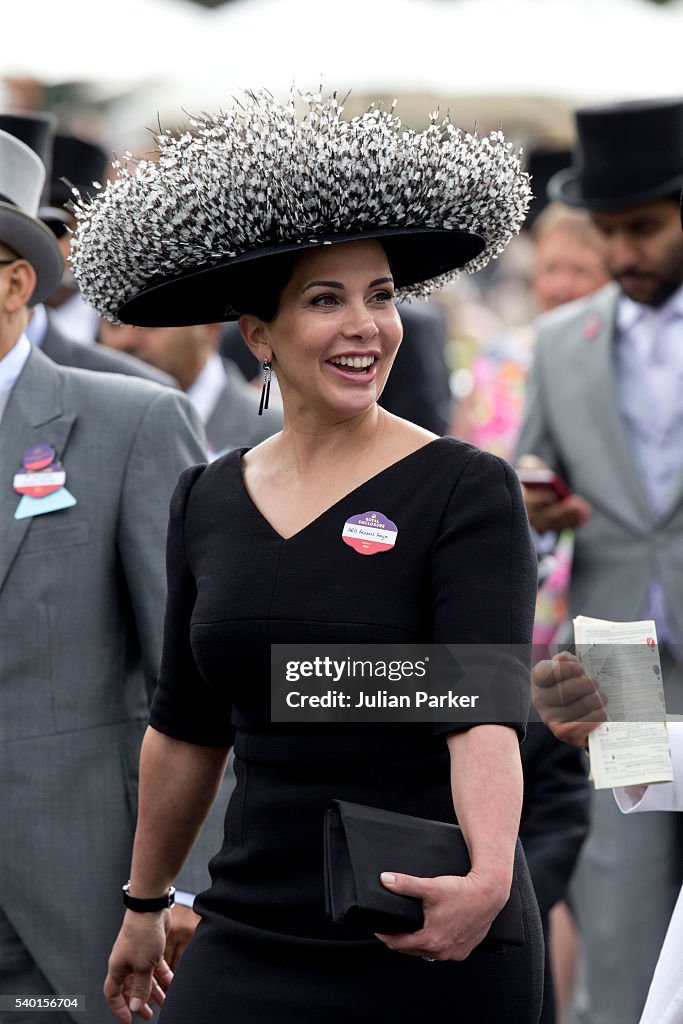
<point x="430" y="959"/>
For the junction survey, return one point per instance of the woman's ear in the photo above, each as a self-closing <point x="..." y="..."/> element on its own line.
<point x="255" y="334"/>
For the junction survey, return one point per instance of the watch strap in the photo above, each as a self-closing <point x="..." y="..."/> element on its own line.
<point x="141" y="906"/>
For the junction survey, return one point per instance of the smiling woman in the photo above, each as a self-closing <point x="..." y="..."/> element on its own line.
<point x="307" y="232"/>
<point x="335" y="333"/>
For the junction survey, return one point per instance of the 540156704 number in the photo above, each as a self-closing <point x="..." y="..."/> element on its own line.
<point x="45" y="1003"/>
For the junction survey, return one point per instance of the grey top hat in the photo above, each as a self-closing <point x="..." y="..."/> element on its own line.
<point x="37" y="130"/>
<point x="627" y="154"/>
<point x="22" y="175"/>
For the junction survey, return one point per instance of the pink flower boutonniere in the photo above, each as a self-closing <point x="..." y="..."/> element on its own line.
<point x="592" y="327"/>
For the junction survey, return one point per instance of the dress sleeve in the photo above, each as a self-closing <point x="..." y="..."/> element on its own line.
<point x="185" y="707"/>
<point x="484" y="577"/>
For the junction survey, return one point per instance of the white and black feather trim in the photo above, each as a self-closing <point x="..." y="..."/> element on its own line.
<point x="259" y="175"/>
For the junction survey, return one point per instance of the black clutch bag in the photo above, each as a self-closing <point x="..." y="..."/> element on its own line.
<point x="361" y="842"/>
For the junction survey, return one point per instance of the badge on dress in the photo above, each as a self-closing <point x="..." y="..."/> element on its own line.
<point x="40" y="480"/>
<point x="370" y="533"/>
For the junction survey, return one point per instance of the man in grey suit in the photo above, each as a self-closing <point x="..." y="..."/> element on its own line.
<point x="605" y="411"/>
<point x="87" y="465"/>
<point x="216" y="387"/>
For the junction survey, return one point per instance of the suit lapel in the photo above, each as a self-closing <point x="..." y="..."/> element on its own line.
<point x="599" y="330"/>
<point x="33" y="415"/>
<point x="675" y="500"/>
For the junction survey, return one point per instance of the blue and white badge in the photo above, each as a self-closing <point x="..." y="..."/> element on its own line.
<point x="29" y="506"/>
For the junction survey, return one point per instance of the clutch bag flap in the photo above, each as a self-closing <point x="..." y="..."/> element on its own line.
<point x="361" y="842"/>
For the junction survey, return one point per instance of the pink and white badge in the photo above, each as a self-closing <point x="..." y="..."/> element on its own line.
<point x="44" y="481"/>
<point x="370" y="533"/>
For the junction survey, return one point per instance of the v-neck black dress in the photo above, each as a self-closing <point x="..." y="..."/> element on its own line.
<point x="462" y="570"/>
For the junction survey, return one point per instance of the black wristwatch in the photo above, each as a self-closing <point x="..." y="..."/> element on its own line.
<point x="164" y="902"/>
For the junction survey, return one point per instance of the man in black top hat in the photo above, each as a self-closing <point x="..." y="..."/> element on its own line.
<point x="605" y="411"/>
<point x="84" y="165"/>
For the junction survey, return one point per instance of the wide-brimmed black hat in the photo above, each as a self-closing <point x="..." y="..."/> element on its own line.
<point x="216" y="293"/>
<point x="626" y="154"/>
<point x="229" y="200"/>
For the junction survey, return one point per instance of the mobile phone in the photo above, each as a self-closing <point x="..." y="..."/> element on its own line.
<point x="545" y="478"/>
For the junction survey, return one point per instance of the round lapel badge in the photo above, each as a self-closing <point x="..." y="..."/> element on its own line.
<point x="370" y="533"/>
<point x="37" y="457"/>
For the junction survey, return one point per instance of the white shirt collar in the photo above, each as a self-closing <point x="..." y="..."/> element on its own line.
<point x="37" y="326"/>
<point x="13" y="363"/>
<point x="630" y="312"/>
<point x="207" y="388"/>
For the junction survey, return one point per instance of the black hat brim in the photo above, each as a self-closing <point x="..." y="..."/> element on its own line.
<point x="211" y="294"/>
<point x="567" y="187"/>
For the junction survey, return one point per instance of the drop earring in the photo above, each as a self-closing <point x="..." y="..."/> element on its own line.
<point x="265" y="390"/>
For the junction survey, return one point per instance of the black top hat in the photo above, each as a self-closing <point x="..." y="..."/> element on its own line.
<point x="542" y="164"/>
<point x="36" y="130"/>
<point x="627" y="154"/>
<point x="78" y="162"/>
<point x="82" y="163"/>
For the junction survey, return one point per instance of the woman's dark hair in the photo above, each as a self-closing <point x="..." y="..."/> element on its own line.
<point x="257" y="291"/>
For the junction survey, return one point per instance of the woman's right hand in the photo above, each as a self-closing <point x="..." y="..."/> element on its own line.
<point x="458" y="912"/>
<point x="138" y="974"/>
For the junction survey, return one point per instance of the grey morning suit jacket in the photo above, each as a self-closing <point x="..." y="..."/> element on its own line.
<point x="82" y="594"/>
<point x="630" y="868"/>
<point x="573" y="423"/>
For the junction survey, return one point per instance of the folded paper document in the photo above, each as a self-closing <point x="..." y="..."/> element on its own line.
<point x="632" y="747"/>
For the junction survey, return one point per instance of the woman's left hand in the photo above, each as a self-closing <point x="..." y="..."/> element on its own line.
<point x="458" y="912"/>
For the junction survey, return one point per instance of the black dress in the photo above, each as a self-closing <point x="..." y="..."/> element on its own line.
<point x="462" y="571"/>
